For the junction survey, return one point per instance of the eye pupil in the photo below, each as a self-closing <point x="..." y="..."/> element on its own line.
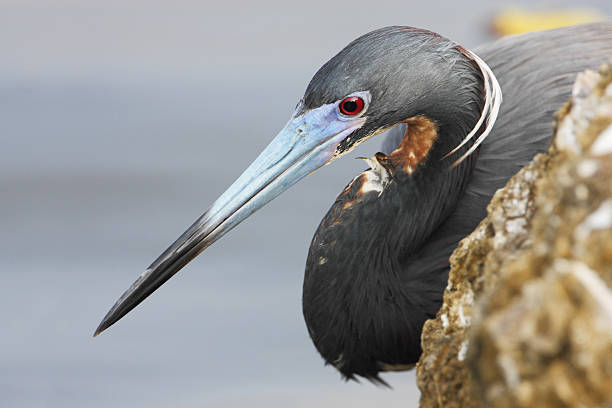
<point x="351" y="105"/>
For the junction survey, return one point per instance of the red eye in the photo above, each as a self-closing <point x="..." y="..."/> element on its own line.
<point x="351" y="106"/>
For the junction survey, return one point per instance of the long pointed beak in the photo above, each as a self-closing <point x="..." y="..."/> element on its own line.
<point x="307" y="142"/>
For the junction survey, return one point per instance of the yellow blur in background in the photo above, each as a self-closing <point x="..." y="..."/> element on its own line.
<point x="516" y="20"/>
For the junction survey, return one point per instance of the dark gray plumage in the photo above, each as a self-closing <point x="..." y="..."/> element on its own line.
<point x="369" y="285"/>
<point x="357" y="302"/>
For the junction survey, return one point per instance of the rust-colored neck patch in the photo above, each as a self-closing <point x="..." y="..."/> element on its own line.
<point x="421" y="133"/>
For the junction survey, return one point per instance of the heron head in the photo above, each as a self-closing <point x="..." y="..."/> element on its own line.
<point x="378" y="81"/>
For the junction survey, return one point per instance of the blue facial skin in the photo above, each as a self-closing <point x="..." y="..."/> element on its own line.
<point x="306" y="143"/>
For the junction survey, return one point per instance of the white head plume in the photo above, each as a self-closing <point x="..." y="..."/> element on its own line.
<point x="490" y="110"/>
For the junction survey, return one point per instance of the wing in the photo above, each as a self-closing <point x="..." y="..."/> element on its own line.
<point x="536" y="72"/>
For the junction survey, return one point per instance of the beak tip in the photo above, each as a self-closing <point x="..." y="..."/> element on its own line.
<point x="101" y="327"/>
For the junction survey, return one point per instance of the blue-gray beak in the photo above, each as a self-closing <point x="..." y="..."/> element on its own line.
<point x="307" y="142"/>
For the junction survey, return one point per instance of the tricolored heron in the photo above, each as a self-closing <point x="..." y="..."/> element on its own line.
<point x="378" y="263"/>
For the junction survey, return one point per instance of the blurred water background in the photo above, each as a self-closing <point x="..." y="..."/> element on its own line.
<point x="120" y="122"/>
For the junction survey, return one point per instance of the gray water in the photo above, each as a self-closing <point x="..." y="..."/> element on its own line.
<point x="120" y="122"/>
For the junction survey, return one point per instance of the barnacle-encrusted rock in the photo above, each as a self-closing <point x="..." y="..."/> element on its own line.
<point x="527" y="314"/>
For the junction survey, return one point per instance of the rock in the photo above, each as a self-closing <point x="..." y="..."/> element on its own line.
<point x="527" y="314"/>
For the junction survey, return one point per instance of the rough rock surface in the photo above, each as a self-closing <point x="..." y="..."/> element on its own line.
<point x="527" y="314"/>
